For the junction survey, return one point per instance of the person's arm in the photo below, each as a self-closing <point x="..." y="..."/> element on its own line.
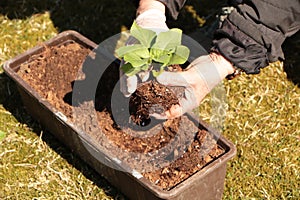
<point x="173" y="6"/>
<point x="248" y="39"/>
<point x="145" y="5"/>
<point x="151" y="14"/>
<point x="252" y="35"/>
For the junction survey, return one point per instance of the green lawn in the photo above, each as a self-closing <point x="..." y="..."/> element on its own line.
<point x="263" y="118"/>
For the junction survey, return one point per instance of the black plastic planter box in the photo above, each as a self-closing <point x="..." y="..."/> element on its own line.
<point x="207" y="183"/>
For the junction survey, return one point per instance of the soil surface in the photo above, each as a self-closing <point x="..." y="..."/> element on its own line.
<point x="53" y="74"/>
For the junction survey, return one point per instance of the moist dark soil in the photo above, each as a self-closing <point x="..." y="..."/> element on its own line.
<point x="150" y="97"/>
<point x="53" y="73"/>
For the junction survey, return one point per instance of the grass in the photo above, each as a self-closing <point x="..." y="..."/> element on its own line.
<point x="262" y="118"/>
<point x="263" y="122"/>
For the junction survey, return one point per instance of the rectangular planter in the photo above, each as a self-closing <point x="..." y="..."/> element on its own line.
<point x="207" y="183"/>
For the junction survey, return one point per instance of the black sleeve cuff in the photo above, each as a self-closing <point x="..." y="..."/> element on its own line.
<point x="173" y="6"/>
<point x="240" y="49"/>
<point x="252" y="35"/>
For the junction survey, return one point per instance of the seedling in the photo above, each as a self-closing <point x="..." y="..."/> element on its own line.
<point x="164" y="49"/>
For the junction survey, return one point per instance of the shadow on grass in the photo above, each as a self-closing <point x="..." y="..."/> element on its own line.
<point x="101" y="19"/>
<point x="291" y="49"/>
<point x="96" y="20"/>
<point x="11" y="101"/>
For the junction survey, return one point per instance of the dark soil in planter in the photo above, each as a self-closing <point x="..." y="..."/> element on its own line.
<point x="153" y="97"/>
<point x="150" y="97"/>
<point x="52" y="75"/>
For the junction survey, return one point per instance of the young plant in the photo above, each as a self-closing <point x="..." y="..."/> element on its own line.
<point x="164" y="49"/>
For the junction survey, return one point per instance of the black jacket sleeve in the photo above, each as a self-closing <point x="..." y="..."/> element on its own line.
<point x="252" y="35"/>
<point x="173" y="6"/>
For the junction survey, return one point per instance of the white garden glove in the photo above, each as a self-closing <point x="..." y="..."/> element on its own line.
<point x="155" y="20"/>
<point x="201" y="76"/>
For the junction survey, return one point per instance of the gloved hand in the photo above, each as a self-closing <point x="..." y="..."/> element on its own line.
<point x="201" y="76"/>
<point x="155" y="20"/>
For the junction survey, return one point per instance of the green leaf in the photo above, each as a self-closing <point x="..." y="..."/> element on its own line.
<point x="161" y="56"/>
<point x="129" y="70"/>
<point x="168" y="40"/>
<point x="144" y="36"/>
<point x="180" y="55"/>
<point x="163" y="49"/>
<point x="139" y="49"/>
<point x="145" y="67"/>
<point x="135" y="60"/>
<point x="2" y="135"/>
<point x="157" y="73"/>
